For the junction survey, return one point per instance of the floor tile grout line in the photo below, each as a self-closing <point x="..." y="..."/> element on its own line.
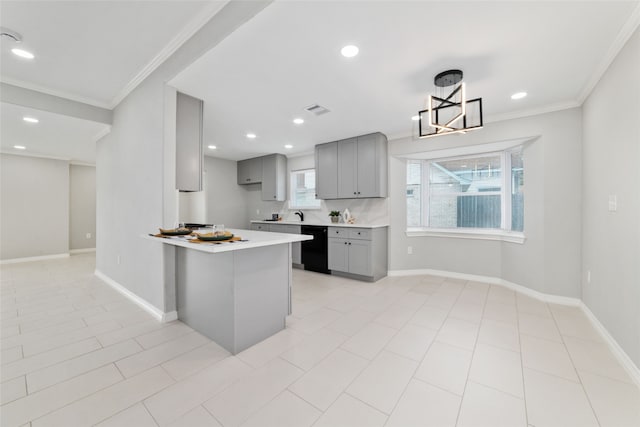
<point x="584" y="390"/>
<point x="524" y="389"/>
<point x="114" y="362"/>
<point x="464" y="390"/>
<point x="77" y="400"/>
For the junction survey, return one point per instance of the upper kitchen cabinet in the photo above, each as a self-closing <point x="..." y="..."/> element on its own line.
<point x="352" y="168"/>
<point x="250" y="171"/>
<point x="274" y="177"/>
<point x="326" y="158"/>
<point x="189" y="156"/>
<point x="269" y="170"/>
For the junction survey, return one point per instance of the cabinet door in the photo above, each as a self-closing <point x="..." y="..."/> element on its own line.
<point x="327" y="171"/>
<point x="368" y="168"/>
<point x="274" y="175"/>
<point x="189" y="156"/>
<point x="347" y="168"/>
<point x="243" y="172"/>
<point x="269" y="184"/>
<point x="360" y="257"/>
<point x="338" y="255"/>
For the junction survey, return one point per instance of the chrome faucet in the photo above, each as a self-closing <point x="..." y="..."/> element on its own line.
<point x="301" y="215"/>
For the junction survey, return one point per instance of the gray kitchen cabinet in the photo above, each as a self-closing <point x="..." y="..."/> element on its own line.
<point x="274" y="177"/>
<point x="360" y="253"/>
<point x="260" y="227"/>
<point x="189" y="155"/>
<point x="338" y="254"/>
<point x="296" y="248"/>
<point x="372" y="165"/>
<point x="250" y="171"/>
<point x="348" y="168"/>
<point x="326" y="159"/>
<point x="357" y="166"/>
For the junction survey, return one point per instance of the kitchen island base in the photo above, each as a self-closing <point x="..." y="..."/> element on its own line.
<point x="236" y="298"/>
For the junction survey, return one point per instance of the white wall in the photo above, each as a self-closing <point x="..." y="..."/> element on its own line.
<point x="34" y="216"/>
<point x="135" y="177"/>
<point x="549" y="260"/>
<point x="82" y="206"/>
<point x="611" y="240"/>
<point x="226" y="201"/>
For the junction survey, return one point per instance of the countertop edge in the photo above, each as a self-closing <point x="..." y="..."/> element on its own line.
<point x="273" y="239"/>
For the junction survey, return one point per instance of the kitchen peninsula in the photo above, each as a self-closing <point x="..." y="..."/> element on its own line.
<point x="236" y="293"/>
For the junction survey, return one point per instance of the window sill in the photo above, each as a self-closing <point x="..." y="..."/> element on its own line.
<point x="480" y="234"/>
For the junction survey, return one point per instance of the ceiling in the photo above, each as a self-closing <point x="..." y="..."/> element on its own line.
<point x="288" y="57"/>
<point x="89" y="50"/>
<point x="73" y="139"/>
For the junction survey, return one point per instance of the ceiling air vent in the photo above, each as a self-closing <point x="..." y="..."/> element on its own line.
<point x="316" y="109"/>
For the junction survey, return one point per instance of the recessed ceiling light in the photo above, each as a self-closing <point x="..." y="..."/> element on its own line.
<point x="298" y="121"/>
<point x="30" y="119"/>
<point x="22" y="53"/>
<point x="518" y="95"/>
<point x="251" y="135"/>
<point x="19" y="147"/>
<point x="349" y="51"/>
<point x="288" y="146"/>
<point x="212" y="147"/>
<point x="415" y="118"/>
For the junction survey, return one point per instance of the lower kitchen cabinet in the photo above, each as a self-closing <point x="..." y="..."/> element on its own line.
<point x="360" y="252"/>
<point x="296" y="251"/>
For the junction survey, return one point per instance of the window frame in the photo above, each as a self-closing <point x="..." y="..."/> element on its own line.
<point x="290" y="205"/>
<point x="504" y="233"/>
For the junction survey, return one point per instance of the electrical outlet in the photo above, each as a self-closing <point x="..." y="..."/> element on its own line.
<point x="257" y="211"/>
<point x="588" y="276"/>
<point x="118" y="259"/>
<point x="410" y="250"/>
<point x="88" y="236"/>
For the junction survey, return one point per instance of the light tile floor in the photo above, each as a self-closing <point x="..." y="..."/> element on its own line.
<point x="405" y="351"/>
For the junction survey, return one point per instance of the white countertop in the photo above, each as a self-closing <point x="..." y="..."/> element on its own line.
<point x="255" y="239"/>
<point x="328" y="224"/>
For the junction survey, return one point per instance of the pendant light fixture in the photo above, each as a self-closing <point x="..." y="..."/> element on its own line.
<point x="449" y="111"/>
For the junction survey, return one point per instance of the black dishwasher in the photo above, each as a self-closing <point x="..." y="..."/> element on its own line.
<point x="314" y="252"/>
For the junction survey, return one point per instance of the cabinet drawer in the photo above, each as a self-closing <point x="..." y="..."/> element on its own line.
<point x="260" y="227"/>
<point x="338" y="232"/>
<point x="360" y="233"/>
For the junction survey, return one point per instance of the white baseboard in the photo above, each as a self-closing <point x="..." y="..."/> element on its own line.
<point x="617" y="351"/>
<point x="622" y="357"/>
<point x="151" y="309"/>
<point x="82" y="251"/>
<point x="33" y="258"/>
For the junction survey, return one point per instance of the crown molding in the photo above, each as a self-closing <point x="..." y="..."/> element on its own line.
<point x="36" y="155"/>
<point x="53" y="92"/>
<point x="532" y="112"/>
<point x="185" y="34"/>
<point x="493" y="118"/>
<point x="98" y="136"/>
<point x="621" y="39"/>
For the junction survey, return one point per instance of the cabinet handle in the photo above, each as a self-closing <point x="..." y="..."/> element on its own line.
<point x="345" y="243"/>
<point x="349" y="243"/>
<point x="248" y="179"/>
<point x="358" y="192"/>
<point x="354" y="192"/>
<point x="274" y="197"/>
